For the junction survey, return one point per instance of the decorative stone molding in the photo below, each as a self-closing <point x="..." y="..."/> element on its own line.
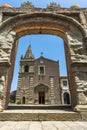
<point x="83" y="19"/>
<point x="82" y="86"/>
<point x="6" y="43"/>
<point x="2" y="84"/>
<point x="27" y="5"/>
<point x="76" y="47"/>
<point x="82" y="98"/>
<point x="53" y="5"/>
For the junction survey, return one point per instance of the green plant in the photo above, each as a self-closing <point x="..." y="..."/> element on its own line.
<point x="18" y="102"/>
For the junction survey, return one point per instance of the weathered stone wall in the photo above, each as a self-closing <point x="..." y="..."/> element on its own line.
<point x="9" y="76"/>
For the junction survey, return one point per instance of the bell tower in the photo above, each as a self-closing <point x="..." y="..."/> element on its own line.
<point x="29" y="54"/>
<point x="26" y="78"/>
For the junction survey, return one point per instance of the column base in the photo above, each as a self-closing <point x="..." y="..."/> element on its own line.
<point x="1" y="109"/>
<point x="81" y="108"/>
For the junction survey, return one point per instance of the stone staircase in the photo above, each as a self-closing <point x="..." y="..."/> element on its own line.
<point x="39" y="113"/>
<point x="39" y="116"/>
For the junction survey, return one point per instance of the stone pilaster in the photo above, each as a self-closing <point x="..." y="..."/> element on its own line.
<point x="18" y="97"/>
<point x="2" y="84"/>
<point x="3" y="71"/>
<point x="31" y="81"/>
<point x="52" y="90"/>
<point x="80" y="73"/>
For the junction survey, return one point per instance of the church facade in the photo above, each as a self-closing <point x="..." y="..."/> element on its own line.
<point x="39" y="81"/>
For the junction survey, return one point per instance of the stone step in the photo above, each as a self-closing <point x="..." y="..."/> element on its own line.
<point x="39" y="107"/>
<point x="35" y="115"/>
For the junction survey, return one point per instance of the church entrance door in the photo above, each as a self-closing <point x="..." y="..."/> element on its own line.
<point x="23" y="100"/>
<point x="66" y="98"/>
<point x="41" y="97"/>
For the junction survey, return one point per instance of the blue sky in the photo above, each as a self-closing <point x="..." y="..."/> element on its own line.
<point x="43" y="3"/>
<point x="51" y="46"/>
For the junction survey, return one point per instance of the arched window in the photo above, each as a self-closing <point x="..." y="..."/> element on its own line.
<point x="26" y="68"/>
<point x="66" y="98"/>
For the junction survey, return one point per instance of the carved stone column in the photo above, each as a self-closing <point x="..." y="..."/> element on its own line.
<point x="78" y="54"/>
<point x="81" y="79"/>
<point x="3" y="71"/>
<point x="80" y="74"/>
<point x="2" y="84"/>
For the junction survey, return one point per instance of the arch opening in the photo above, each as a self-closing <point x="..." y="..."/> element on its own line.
<point x="48" y="46"/>
<point x="26" y="68"/>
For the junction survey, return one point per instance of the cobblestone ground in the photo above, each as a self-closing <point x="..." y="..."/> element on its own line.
<point x="44" y="125"/>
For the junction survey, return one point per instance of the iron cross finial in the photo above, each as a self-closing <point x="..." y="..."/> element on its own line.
<point x="41" y="53"/>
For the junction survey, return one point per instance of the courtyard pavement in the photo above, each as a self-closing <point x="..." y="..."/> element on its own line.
<point x="43" y="125"/>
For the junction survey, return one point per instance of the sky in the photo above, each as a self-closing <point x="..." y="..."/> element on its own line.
<point x="51" y="46"/>
<point x="43" y="3"/>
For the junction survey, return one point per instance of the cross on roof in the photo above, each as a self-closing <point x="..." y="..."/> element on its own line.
<point x="41" y="53"/>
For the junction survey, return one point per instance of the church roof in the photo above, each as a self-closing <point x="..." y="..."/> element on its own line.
<point x="41" y="57"/>
<point x="29" y="54"/>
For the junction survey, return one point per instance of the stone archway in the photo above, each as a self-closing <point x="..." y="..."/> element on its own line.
<point x="45" y="21"/>
<point x="41" y="92"/>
